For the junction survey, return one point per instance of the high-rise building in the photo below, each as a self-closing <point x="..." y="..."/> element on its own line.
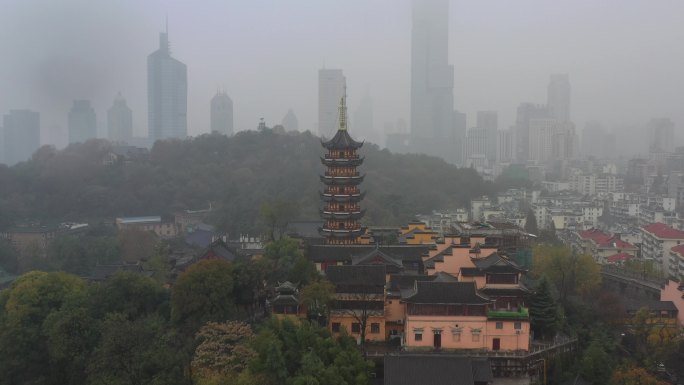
<point x="167" y="94"/>
<point x="526" y="112"/>
<point x="592" y="140"/>
<point x="541" y="136"/>
<point x="21" y="135"/>
<point x="331" y="89"/>
<point x="221" y="112"/>
<point x="290" y="121"/>
<point x="82" y="122"/>
<point x="558" y="97"/>
<point x="432" y="78"/>
<point x="661" y="135"/>
<point x="363" y="121"/>
<point x="488" y="121"/>
<point x="505" y="146"/>
<point x="120" y="121"/>
<point x="475" y="148"/>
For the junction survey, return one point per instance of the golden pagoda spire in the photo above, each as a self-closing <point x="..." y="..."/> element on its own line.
<point x="343" y="111"/>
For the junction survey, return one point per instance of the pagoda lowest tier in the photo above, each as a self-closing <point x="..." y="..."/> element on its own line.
<point x="341" y="197"/>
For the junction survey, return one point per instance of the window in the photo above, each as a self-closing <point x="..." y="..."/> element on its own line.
<point x="456" y="337"/>
<point x="356" y="327"/>
<point x="476" y="337"/>
<point x="336" y="327"/>
<point x="375" y="328"/>
<point x="419" y="336"/>
<point x="499" y="325"/>
<point x="517" y="325"/>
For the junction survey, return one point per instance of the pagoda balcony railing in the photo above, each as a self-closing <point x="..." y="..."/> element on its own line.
<point x="342" y="174"/>
<point x="342" y="180"/>
<point x="334" y="226"/>
<point x="337" y="157"/>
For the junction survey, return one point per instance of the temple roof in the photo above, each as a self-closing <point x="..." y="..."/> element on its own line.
<point x="433" y="292"/>
<point x="496" y="263"/>
<point x="405" y="369"/>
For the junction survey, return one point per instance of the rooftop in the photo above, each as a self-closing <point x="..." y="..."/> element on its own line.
<point x="447" y="293"/>
<point x="663" y="231"/>
<point x="136" y="220"/>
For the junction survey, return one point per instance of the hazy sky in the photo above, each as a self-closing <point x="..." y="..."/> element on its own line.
<point x="625" y="58"/>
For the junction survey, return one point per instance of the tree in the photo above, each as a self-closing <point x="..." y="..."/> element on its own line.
<point x="23" y="342"/>
<point x="318" y="297"/>
<point x="531" y="223"/>
<point x="203" y="293"/>
<point x="543" y="311"/>
<point x="285" y="262"/>
<point x="222" y="353"/>
<point x="596" y="364"/>
<point x="248" y="286"/>
<point x="635" y="376"/>
<point x="275" y="216"/>
<point x="136" y="352"/>
<point x="9" y="258"/>
<point x="303" y="353"/>
<point x="129" y="294"/>
<point x="570" y="272"/>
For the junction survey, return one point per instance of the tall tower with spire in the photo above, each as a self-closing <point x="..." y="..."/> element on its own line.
<point x="167" y="94"/>
<point x="342" y="196"/>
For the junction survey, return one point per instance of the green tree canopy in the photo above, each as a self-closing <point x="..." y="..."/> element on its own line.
<point x="203" y="293"/>
<point x="543" y="311"/>
<point x="570" y="272"/>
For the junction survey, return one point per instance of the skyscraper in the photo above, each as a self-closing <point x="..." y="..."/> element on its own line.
<point x="592" y="140"/>
<point x="290" y="121"/>
<point x="331" y="89"/>
<point x="526" y="112"/>
<point x="661" y="135"/>
<point x="363" y="121"/>
<point x="120" y="121"/>
<point x="82" y="122"/>
<point x="432" y="78"/>
<point x="21" y="135"/>
<point x="221" y="112"/>
<point x="558" y="97"/>
<point x="167" y="94"/>
<point x="489" y="121"/>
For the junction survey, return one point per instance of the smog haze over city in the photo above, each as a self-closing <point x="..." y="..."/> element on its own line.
<point x="623" y="58"/>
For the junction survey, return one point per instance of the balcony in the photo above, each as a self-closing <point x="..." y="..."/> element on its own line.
<point x="522" y="313"/>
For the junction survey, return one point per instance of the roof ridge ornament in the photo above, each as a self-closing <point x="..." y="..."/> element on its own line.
<point x="343" y="110"/>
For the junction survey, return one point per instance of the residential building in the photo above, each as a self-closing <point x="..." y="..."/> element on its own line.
<point x="221" y="114"/>
<point x="21" y="135"/>
<point x="602" y="246"/>
<point x="505" y="146"/>
<point x="82" y="122"/>
<point x="120" y="121"/>
<point x="676" y="262"/>
<point x="167" y="94"/>
<point x="151" y="223"/>
<point x="488" y="122"/>
<point x="592" y="140"/>
<point x="541" y="132"/>
<point x="331" y="89"/>
<point x="658" y="239"/>
<point x="593" y="184"/>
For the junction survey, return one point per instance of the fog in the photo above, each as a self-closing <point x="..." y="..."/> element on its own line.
<point x="624" y="58"/>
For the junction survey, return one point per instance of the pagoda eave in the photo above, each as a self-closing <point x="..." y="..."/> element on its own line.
<point x="341" y="180"/>
<point x="341" y="234"/>
<point x="342" y="197"/>
<point x="341" y="162"/>
<point x="342" y="214"/>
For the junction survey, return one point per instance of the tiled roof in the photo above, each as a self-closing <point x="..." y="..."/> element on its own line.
<point x="664" y="231"/>
<point x="324" y="253"/>
<point x="341" y="141"/>
<point x="415" y="369"/>
<point x="619" y="257"/>
<point x="595" y="235"/>
<point x="447" y="293"/>
<point x="362" y="275"/>
<point x="679" y="249"/>
<point x="376" y="257"/>
<point x="616" y="243"/>
<point x="496" y="261"/>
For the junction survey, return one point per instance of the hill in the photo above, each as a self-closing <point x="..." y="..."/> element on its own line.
<point x="235" y="174"/>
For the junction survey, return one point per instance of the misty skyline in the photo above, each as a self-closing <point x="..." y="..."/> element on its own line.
<point x="623" y="59"/>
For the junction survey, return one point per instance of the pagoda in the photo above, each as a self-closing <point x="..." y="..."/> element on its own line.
<point x="341" y="211"/>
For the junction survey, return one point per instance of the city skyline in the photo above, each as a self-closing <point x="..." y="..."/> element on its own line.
<point x="602" y="87"/>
